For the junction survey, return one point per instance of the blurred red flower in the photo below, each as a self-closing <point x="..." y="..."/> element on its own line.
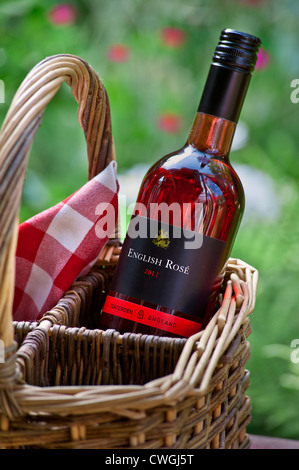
<point x="173" y="37"/>
<point x="263" y="59"/>
<point x="170" y="122"/>
<point x="118" y="53"/>
<point x="64" y="13"/>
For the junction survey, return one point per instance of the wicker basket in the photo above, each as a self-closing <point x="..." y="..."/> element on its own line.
<point x="66" y="385"/>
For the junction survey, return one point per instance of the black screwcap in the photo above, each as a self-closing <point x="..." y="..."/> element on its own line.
<point x="237" y="50"/>
<point x="230" y="73"/>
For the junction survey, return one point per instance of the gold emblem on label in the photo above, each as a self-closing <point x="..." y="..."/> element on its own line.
<point x="162" y="240"/>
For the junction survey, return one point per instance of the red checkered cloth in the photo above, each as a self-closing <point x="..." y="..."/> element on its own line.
<point x="62" y="243"/>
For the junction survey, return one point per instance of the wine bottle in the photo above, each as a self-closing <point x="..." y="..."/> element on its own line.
<point x="187" y="213"/>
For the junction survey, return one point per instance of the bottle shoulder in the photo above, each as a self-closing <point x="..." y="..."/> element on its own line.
<point x="203" y="185"/>
<point x="194" y="164"/>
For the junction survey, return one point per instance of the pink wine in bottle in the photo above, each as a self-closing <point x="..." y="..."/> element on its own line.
<point x="187" y="213"/>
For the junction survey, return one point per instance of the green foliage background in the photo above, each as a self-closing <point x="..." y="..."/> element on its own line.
<point x="157" y="79"/>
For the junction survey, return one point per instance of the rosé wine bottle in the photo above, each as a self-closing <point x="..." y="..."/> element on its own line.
<point x="187" y="213"/>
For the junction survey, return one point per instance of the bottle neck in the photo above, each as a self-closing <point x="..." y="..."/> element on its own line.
<point x="224" y="92"/>
<point x="211" y="134"/>
<point x="219" y="110"/>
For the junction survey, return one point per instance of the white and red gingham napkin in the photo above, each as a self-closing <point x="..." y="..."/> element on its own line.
<point x="62" y="243"/>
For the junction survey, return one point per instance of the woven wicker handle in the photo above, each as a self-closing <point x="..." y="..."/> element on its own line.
<point x="16" y="135"/>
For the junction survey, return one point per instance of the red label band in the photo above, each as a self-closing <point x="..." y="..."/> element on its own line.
<point x="150" y="317"/>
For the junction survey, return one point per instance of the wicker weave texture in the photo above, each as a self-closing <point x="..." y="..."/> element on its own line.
<point x="137" y="404"/>
<point x="101" y="389"/>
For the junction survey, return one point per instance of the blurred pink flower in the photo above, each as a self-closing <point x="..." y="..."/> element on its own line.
<point x="170" y="122"/>
<point x="173" y="37"/>
<point x="118" y="53"/>
<point x="263" y="59"/>
<point x="64" y="13"/>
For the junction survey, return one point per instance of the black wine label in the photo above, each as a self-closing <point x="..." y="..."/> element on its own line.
<point x="168" y="266"/>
